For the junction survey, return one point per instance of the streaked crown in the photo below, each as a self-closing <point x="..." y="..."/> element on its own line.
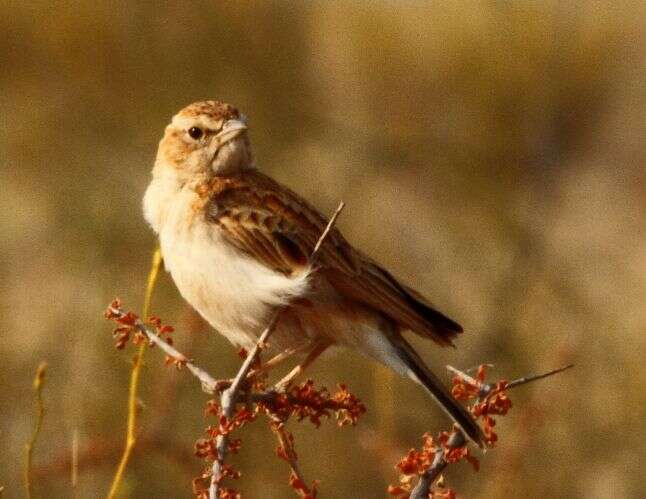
<point x="206" y="137"/>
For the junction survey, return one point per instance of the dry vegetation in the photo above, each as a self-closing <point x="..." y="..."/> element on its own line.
<point x="510" y="135"/>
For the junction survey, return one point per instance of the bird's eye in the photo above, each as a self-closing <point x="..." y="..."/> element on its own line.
<point x="195" y="132"/>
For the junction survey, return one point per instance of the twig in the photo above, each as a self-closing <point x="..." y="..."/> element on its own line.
<point x="284" y="442"/>
<point x="75" y="462"/>
<point x="463" y="375"/>
<point x="486" y="388"/>
<point x="457" y="439"/>
<point x="131" y="432"/>
<point x="228" y="398"/>
<point x="39" y="381"/>
<point x="529" y="379"/>
<point x="209" y="384"/>
<point x="287" y="452"/>
<point x="328" y="228"/>
<point x="428" y="478"/>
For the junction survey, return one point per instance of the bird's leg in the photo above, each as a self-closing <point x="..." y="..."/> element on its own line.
<point x="223" y="384"/>
<point x="315" y="350"/>
<point x="278" y="359"/>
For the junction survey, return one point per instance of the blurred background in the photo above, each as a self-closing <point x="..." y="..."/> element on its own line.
<point x="490" y="153"/>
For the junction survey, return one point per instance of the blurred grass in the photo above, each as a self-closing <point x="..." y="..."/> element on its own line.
<point x="490" y="153"/>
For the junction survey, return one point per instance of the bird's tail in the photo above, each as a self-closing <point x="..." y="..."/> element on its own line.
<point x="419" y="372"/>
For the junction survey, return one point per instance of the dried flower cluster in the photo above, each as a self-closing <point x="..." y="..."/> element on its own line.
<point x="492" y="400"/>
<point x="302" y="402"/>
<point x="449" y="448"/>
<point x="131" y="327"/>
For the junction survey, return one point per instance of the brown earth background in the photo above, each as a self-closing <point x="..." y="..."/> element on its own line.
<point x="490" y="153"/>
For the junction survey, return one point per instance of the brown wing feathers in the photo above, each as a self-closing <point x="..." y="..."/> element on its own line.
<point x="271" y="223"/>
<point x="421" y="306"/>
<point x="409" y="313"/>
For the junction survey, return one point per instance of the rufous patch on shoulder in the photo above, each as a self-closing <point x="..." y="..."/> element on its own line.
<point x="215" y="186"/>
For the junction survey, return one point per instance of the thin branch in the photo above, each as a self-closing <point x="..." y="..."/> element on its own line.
<point x="463" y="375"/>
<point x="228" y="400"/>
<point x="486" y="388"/>
<point x="229" y="397"/>
<point x="289" y="454"/>
<point x="457" y="439"/>
<point x="131" y="431"/>
<point x="426" y="480"/>
<point x="285" y="443"/>
<point x="75" y="462"/>
<point x="529" y="379"/>
<point x="328" y="228"/>
<point x="39" y="381"/>
<point x="209" y="384"/>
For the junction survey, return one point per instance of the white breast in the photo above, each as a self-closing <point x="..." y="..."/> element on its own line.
<point x="233" y="292"/>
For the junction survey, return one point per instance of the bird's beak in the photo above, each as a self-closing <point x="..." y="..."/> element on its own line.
<point x="230" y="130"/>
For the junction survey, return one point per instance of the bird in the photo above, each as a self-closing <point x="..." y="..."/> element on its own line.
<point x="238" y="244"/>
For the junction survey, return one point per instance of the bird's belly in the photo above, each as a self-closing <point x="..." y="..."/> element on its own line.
<point x="233" y="292"/>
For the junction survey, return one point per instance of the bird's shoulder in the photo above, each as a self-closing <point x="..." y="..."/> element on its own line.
<point x="271" y="222"/>
<point x="253" y="191"/>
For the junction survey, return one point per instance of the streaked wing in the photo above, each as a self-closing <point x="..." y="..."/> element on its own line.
<point x="279" y="229"/>
<point x="271" y="223"/>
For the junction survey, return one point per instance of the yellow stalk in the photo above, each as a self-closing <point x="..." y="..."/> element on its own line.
<point x="39" y="381"/>
<point x="131" y="432"/>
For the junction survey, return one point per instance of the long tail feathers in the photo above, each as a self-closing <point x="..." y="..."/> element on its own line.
<point x="425" y="377"/>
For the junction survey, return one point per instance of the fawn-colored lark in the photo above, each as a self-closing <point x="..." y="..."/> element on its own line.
<point x="238" y="246"/>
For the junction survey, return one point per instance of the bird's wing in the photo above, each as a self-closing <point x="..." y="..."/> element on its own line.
<point x="276" y="227"/>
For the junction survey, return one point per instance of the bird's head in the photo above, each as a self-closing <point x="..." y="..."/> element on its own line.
<point x="203" y="139"/>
